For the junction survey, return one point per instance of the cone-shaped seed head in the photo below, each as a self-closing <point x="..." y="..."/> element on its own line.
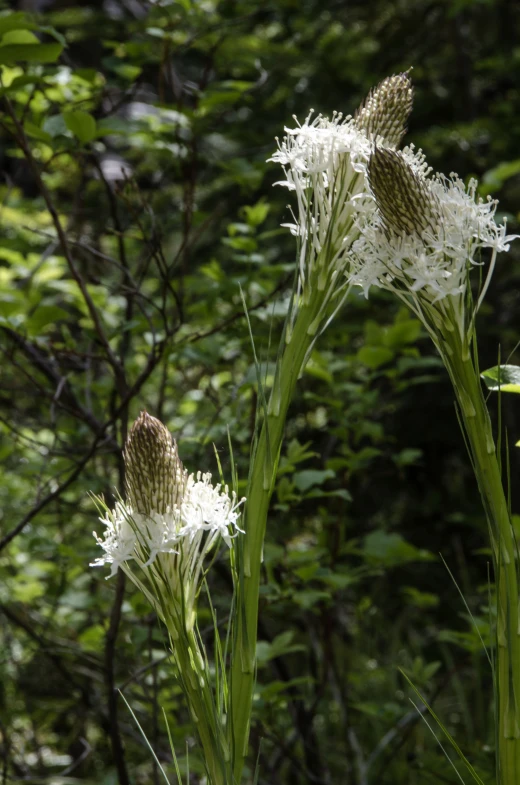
<point x="386" y="109"/>
<point x="404" y="199"/>
<point x="155" y="477"/>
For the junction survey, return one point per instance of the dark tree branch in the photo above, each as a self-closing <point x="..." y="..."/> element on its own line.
<point x="113" y="697"/>
<point x="63" y="392"/>
<point x="53" y="495"/>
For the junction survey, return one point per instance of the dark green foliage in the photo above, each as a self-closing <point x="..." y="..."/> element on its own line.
<point x="146" y="128"/>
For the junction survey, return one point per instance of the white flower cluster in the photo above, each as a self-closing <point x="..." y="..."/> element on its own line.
<point x="325" y="163"/>
<point x="427" y="232"/>
<point x="169" y="521"/>
<point x="179" y="530"/>
<point x="314" y="149"/>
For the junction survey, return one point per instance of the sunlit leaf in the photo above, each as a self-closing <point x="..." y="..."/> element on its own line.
<point x="30" y="53"/>
<point x="15" y="21"/>
<point x="505" y="378"/>
<point x="81" y="124"/>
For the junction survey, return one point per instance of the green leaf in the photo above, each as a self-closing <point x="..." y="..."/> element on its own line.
<point x="54" y="126"/>
<point x="15" y="21"/>
<point x="374" y="356"/>
<point x="495" y="178"/>
<point x="505" y="378"/>
<point x="20" y="81"/>
<point x="127" y="71"/>
<point x="32" y="130"/>
<point x="27" y="589"/>
<point x="402" y="332"/>
<point x="255" y="214"/>
<point x="43" y="316"/>
<point x="310" y="597"/>
<point x="388" y="711"/>
<point x="407" y="457"/>
<point x="373" y="333"/>
<point x="338" y="580"/>
<point x="114" y="125"/>
<point x="307" y="572"/>
<point x="296" y="452"/>
<point x="318" y="369"/>
<point x="81" y="124"/>
<point x="280" y="646"/>
<point x="91" y="638"/>
<point x="30" y="53"/>
<point x="392" y="550"/>
<point x="271" y="691"/>
<point x="340" y="493"/>
<point x="246" y="244"/>
<point x="55" y="34"/>
<point x="309" y="477"/>
<point x="420" y="599"/>
<point x="19" y="37"/>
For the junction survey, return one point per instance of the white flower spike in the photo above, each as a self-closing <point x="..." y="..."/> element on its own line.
<point x="425" y="238"/>
<point x="170" y="521"/>
<point x="325" y="165"/>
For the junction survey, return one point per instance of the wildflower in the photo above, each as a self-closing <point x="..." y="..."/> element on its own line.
<point x="170" y="520"/>
<point x="422" y="244"/>
<point x="325" y="165"/>
<point x="425" y="238"/>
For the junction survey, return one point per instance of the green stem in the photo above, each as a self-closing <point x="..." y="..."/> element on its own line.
<point x="194" y="676"/>
<point x="261" y="484"/>
<point x="479" y="433"/>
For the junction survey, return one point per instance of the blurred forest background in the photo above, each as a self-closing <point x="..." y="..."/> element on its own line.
<point x="135" y="201"/>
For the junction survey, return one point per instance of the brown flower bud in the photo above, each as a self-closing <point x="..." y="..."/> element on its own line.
<point x="384" y="113"/>
<point x="155" y="476"/>
<point x="404" y="198"/>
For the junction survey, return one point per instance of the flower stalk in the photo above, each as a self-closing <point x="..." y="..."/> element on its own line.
<point x="161" y="537"/>
<point x="325" y="164"/>
<point x="477" y="427"/>
<point x="422" y="244"/>
<point x="260" y="488"/>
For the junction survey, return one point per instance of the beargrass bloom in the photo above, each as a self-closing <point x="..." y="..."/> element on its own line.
<point x="324" y="162"/>
<point x="425" y="238"/>
<point x="169" y="522"/>
<point x="428" y="234"/>
<point x="325" y="166"/>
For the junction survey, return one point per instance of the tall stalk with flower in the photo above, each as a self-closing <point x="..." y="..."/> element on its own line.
<point x="325" y="166"/>
<point x="424" y="244"/>
<point x="161" y="536"/>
